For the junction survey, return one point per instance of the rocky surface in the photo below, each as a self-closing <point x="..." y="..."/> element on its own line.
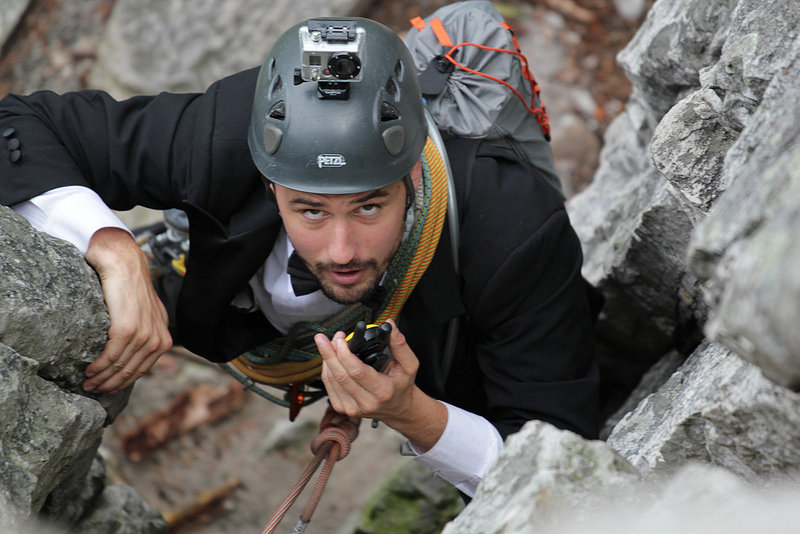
<point x="688" y="227"/>
<point x="53" y="324"/>
<point x="10" y="16"/>
<point x="185" y="45"/>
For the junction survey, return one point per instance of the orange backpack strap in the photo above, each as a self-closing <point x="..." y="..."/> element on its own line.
<point x="441" y="33"/>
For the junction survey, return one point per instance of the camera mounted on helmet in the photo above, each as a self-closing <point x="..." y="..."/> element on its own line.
<point x="331" y="56"/>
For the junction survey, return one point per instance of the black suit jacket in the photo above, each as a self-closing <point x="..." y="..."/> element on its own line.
<point x="524" y="349"/>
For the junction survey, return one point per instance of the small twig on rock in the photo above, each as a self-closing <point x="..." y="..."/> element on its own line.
<point x="570" y="9"/>
<point x="189" y="409"/>
<point x="206" y="502"/>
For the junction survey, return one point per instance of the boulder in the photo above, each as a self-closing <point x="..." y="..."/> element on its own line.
<point x="745" y="251"/>
<point x="48" y="437"/>
<point x="698" y="499"/>
<point x="185" y="45"/>
<point x="10" y="15"/>
<point x="53" y="324"/>
<point x="120" y="510"/>
<point x="542" y="475"/>
<point x="41" y="280"/>
<point x="715" y="409"/>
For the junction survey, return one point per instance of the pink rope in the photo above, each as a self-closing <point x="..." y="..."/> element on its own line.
<point x="332" y="443"/>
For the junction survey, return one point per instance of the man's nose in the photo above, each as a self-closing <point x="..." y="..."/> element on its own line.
<point x="343" y="245"/>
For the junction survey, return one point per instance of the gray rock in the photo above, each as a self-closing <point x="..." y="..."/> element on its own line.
<point x="677" y="40"/>
<point x="53" y="324"/>
<point x="67" y="503"/>
<point x="757" y="315"/>
<point x="689" y="147"/>
<point x="717" y="409"/>
<point x="699" y="499"/>
<point x="120" y="510"/>
<point x="10" y="16"/>
<point x="759" y="44"/>
<point x="653" y="379"/>
<point x="184" y="45"/>
<point x="542" y="474"/>
<point x="48" y="437"/>
<point x="41" y="280"/>
<point x="745" y="251"/>
<point x="634" y="228"/>
<point x="692" y="140"/>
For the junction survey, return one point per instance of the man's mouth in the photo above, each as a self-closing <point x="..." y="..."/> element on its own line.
<point x="348" y="277"/>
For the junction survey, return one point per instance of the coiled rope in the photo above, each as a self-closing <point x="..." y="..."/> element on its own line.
<point x="336" y="435"/>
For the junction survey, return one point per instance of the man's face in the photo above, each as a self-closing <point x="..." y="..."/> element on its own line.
<point x="347" y="241"/>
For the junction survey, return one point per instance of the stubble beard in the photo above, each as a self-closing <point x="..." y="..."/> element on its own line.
<point x="369" y="286"/>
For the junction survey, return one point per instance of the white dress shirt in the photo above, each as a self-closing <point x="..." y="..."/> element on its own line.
<point x="469" y="443"/>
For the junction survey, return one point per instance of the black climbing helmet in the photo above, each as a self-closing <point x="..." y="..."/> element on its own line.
<point x="337" y="108"/>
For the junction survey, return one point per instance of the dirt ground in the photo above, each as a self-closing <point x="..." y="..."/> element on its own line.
<point x="175" y="476"/>
<point x="56" y="45"/>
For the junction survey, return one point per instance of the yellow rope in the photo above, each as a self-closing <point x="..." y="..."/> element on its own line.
<point x="430" y="233"/>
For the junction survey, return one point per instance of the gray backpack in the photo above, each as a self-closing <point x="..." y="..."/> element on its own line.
<point x="477" y="84"/>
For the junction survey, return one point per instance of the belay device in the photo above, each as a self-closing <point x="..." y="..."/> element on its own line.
<point x="369" y="342"/>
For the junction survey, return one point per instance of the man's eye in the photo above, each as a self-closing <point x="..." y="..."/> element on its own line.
<point x="369" y="209"/>
<point x="313" y="214"/>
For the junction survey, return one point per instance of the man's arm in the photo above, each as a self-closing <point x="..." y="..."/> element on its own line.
<point x="457" y="445"/>
<point x="138" y="334"/>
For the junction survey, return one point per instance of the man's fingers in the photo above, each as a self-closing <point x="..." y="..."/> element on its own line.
<point x="140" y="371"/>
<point x="126" y="358"/>
<point x="401" y="352"/>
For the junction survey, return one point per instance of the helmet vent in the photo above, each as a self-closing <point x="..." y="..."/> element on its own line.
<point x="398" y="70"/>
<point x="388" y="112"/>
<point x="277" y="86"/>
<point x="391" y="88"/>
<point x="278" y="111"/>
<point x="272" y="64"/>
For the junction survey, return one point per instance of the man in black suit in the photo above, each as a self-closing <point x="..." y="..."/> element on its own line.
<point x="502" y="300"/>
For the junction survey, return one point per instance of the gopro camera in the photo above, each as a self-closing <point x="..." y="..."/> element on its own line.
<point x="331" y="55"/>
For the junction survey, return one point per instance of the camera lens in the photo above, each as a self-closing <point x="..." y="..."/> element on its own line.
<point x="344" y="65"/>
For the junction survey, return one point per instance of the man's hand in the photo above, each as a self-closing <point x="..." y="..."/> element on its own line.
<point x="357" y="390"/>
<point x="138" y="334"/>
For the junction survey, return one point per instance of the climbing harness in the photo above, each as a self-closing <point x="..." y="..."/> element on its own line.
<point x="292" y="363"/>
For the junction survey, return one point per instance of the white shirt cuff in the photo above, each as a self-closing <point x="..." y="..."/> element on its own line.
<point x="467" y="447"/>
<point x="73" y="213"/>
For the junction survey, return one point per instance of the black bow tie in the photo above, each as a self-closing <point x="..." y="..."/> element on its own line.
<point x="303" y="282"/>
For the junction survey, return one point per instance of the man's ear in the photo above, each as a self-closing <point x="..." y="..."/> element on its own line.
<point x="270" y="187"/>
<point x="416" y="174"/>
